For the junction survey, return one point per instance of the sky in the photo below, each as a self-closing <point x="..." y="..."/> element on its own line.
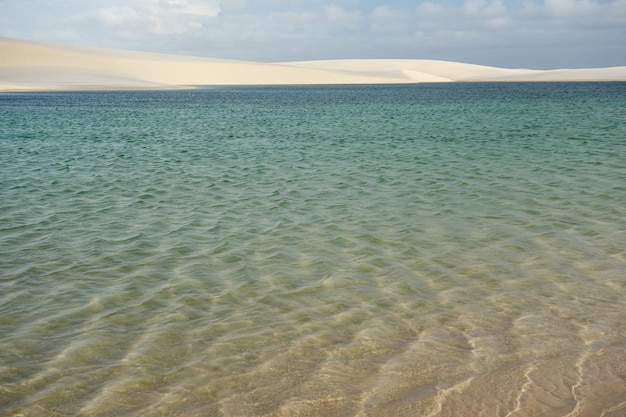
<point x="537" y="34"/>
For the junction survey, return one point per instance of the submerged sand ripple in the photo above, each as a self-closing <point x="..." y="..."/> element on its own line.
<point x="335" y="251"/>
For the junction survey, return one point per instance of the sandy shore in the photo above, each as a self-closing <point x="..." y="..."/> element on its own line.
<point x="37" y="66"/>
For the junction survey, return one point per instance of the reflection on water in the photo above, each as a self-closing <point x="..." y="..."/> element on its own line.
<point x="435" y="250"/>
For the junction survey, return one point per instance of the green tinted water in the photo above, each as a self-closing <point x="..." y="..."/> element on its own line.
<point x="429" y="250"/>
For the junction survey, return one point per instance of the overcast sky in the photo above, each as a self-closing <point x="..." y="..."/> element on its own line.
<point x="538" y="34"/>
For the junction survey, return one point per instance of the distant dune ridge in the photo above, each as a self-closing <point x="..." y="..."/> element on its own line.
<point x="28" y="65"/>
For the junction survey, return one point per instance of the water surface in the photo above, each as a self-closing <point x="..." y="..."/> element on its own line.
<point x="420" y="250"/>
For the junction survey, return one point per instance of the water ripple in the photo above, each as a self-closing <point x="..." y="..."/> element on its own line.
<point x="279" y="252"/>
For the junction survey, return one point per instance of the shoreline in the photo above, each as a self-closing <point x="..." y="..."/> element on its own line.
<point x="110" y="88"/>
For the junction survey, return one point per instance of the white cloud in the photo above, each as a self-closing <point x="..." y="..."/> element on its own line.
<point x="116" y="16"/>
<point x="156" y="16"/>
<point x="498" y="23"/>
<point x="491" y="14"/>
<point x="233" y="4"/>
<point x="495" y="32"/>
<point x="337" y="15"/>
<point x="570" y="8"/>
<point x="484" y="8"/>
<point x="384" y="18"/>
<point x="428" y="9"/>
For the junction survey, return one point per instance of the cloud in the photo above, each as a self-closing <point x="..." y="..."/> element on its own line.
<point x="154" y="16"/>
<point x="571" y="8"/>
<point x="384" y="18"/>
<point x="484" y="8"/>
<point x="490" y="14"/>
<point x="537" y="33"/>
<point x="338" y="16"/>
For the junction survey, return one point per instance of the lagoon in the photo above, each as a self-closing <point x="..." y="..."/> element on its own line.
<point x="430" y="249"/>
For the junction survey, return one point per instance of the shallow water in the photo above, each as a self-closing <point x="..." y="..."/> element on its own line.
<point x="425" y="250"/>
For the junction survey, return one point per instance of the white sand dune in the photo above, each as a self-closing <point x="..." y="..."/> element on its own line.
<point x="38" y="66"/>
<point x="418" y="70"/>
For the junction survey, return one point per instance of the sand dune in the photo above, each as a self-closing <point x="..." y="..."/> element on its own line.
<point x="38" y="66"/>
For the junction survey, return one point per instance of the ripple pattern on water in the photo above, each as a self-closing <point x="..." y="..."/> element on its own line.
<point x="340" y="251"/>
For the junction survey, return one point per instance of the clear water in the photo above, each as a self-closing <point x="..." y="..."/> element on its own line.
<point x="425" y="250"/>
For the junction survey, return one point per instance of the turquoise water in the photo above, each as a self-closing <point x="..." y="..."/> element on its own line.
<point x="425" y="250"/>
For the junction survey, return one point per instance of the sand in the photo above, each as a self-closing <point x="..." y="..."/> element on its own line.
<point x="39" y="66"/>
